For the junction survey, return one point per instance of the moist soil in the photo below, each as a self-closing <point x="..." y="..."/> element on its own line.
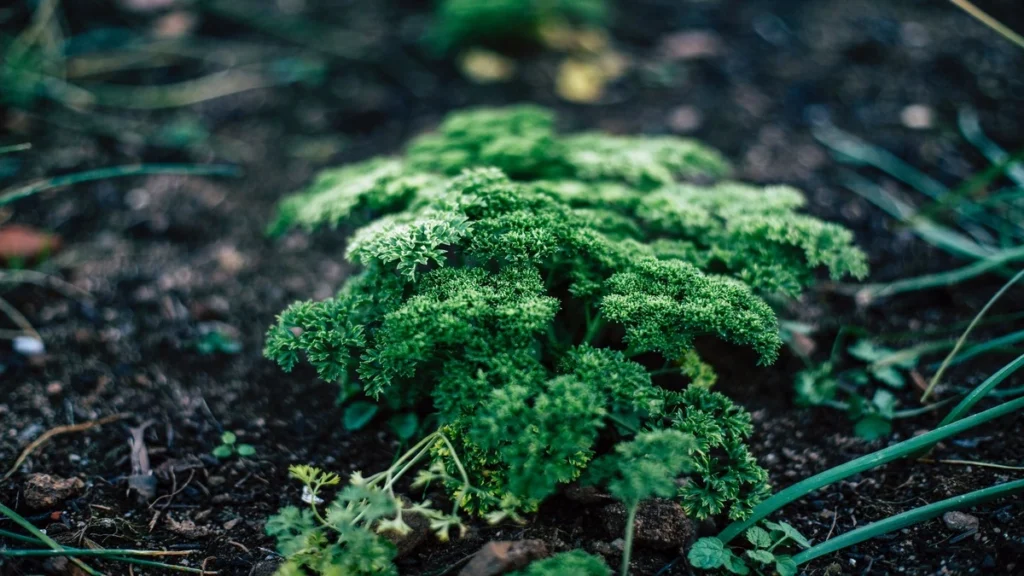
<point x="168" y="260"/>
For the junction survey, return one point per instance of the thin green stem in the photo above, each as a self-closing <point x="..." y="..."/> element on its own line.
<point x="1000" y="28"/>
<point x="982" y="390"/>
<point x="963" y="337"/>
<point x="39" y="535"/>
<point x="627" y="548"/>
<point x="17" y="193"/>
<point x="594" y="327"/>
<point x="19" y="537"/>
<point x="103" y="552"/>
<point x="908" y="518"/>
<point x="14" y="148"/>
<point x="161" y="565"/>
<point x="1005" y="341"/>
<point x="872" y="292"/>
<point x="864" y="463"/>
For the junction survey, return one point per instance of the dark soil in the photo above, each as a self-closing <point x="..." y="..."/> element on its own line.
<point x="168" y="258"/>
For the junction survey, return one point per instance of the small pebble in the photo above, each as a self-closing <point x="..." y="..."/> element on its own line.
<point x="685" y="119"/>
<point x="960" y="521"/>
<point x="28" y="346"/>
<point x="917" y="116"/>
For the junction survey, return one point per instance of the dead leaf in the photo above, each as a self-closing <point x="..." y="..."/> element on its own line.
<point x="22" y="243"/>
<point x="580" y="81"/>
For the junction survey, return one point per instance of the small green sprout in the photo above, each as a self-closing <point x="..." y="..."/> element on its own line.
<point x="347" y="537"/>
<point x="229" y="447"/>
<point x="763" y="556"/>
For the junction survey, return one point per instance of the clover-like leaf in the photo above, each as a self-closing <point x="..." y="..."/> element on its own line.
<point x="707" y="553"/>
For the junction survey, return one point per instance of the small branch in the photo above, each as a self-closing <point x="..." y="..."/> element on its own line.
<point x="56" y="432"/>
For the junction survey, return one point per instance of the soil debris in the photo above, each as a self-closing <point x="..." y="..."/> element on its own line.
<point x="660" y="524"/>
<point x="500" y="557"/>
<point x="43" y="491"/>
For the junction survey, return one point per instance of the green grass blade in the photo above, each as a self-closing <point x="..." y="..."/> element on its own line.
<point x="39" y="535"/>
<point x="982" y="390"/>
<point x="20" y="192"/>
<point x="987" y="346"/>
<point x="963" y="337"/>
<point x="937" y="235"/>
<point x="14" y="148"/>
<point x="872" y="292"/>
<point x="908" y="518"/>
<point x="864" y="463"/>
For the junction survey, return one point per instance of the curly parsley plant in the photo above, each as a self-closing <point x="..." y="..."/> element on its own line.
<point x="543" y="296"/>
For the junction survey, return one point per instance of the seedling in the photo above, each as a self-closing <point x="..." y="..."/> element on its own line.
<point x="348" y="538"/>
<point x="229" y="447"/>
<point x="763" y="556"/>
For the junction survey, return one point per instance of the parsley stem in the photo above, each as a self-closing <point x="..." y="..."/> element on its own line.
<point x="627" y="547"/>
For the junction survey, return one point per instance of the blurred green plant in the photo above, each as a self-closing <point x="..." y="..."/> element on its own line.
<point x="462" y="23"/>
<point x="229" y="447"/>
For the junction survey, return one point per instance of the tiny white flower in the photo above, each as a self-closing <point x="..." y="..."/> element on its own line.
<point x="309" y="498"/>
<point x="28" y="346"/>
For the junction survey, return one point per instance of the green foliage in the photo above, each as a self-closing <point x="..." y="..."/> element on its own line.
<point x="864" y="392"/>
<point x="531" y="307"/>
<point x="761" y="557"/>
<point x="229" y="447"/>
<point x="460" y="23"/>
<point x="645" y="467"/>
<point x="726" y="478"/>
<point x="346" y="538"/>
<point x="576" y="563"/>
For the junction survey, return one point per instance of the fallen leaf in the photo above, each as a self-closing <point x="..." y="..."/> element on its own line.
<point x="21" y="243"/>
<point x="581" y="81"/>
<point x="486" y="67"/>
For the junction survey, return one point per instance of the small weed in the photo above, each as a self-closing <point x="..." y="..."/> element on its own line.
<point x="229" y="447"/>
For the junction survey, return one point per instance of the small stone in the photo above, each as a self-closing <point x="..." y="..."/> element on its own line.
<point x="230" y="524"/>
<point x="691" y="45"/>
<point x="917" y="116"/>
<point x="230" y="259"/>
<point x="500" y="557"/>
<point x="54" y="388"/>
<point x="660" y="524"/>
<point x="960" y="521"/>
<point x="28" y="345"/>
<point x="685" y="119"/>
<point x="44" y="492"/>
